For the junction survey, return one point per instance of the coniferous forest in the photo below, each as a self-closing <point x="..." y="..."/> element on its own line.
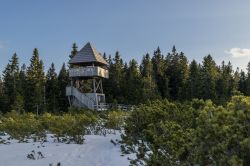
<point x="185" y="112"/>
<point x="29" y="88"/>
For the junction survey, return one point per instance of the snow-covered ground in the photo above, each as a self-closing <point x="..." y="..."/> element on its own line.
<point x="96" y="151"/>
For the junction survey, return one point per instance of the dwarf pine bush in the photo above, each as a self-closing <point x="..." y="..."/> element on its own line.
<point x="68" y="128"/>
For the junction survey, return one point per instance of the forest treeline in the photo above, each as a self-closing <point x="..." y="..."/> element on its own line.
<point x="159" y="76"/>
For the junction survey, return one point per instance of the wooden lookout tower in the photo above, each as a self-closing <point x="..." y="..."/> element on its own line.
<point x="87" y="69"/>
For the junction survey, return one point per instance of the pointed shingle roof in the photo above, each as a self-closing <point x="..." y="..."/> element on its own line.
<point x="88" y="54"/>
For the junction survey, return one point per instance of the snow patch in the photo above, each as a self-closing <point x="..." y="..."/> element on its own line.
<point x="96" y="151"/>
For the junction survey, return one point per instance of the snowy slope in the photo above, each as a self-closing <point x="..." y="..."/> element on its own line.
<point x="96" y="151"/>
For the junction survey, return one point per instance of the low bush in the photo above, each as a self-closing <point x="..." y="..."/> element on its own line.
<point x="115" y="119"/>
<point x="21" y="126"/>
<point x="66" y="128"/>
<point x="195" y="133"/>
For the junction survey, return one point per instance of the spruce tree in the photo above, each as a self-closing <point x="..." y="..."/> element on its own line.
<point x="51" y="89"/>
<point x="146" y="67"/>
<point x="159" y="68"/>
<point x="11" y="79"/>
<point x="1" y="87"/>
<point x="116" y="79"/>
<point x="183" y="72"/>
<point x="74" y="51"/>
<point x="148" y="88"/>
<point x="177" y="73"/>
<point x="133" y="84"/>
<point x="193" y="81"/>
<point x="209" y="76"/>
<point x="224" y="85"/>
<point x="107" y="83"/>
<point x="235" y="83"/>
<point x="1" y="96"/>
<point x="35" y="89"/>
<point x="63" y="81"/>
<point x="242" y="83"/>
<point x="22" y="80"/>
<point x="21" y="86"/>
<point x="248" y="80"/>
<point x="105" y="56"/>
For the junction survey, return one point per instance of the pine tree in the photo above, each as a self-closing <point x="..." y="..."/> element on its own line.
<point x="63" y="81"/>
<point x="51" y="89"/>
<point x="35" y="91"/>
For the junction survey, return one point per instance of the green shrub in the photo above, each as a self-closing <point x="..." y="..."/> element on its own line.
<point x="115" y="119"/>
<point x="195" y="133"/>
<point x="67" y="127"/>
<point x="21" y="126"/>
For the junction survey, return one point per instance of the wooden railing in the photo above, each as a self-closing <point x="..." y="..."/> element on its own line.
<point x="81" y="97"/>
<point x="89" y="71"/>
<point x="90" y="103"/>
<point x="107" y="106"/>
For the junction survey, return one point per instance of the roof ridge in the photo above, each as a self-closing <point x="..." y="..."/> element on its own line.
<point x="94" y="51"/>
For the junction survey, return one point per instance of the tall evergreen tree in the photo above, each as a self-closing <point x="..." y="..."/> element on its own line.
<point x="148" y="88"/>
<point x="242" y="83"/>
<point x="146" y="67"/>
<point x="1" y="87"/>
<point x="63" y="81"/>
<point x="107" y="86"/>
<point x="105" y="56"/>
<point x="209" y="75"/>
<point x="183" y="72"/>
<point x="224" y="85"/>
<point x="35" y="92"/>
<point x="177" y="73"/>
<point x="21" y="86"/>
<point x="22" y="80"/>
<point x="133" y="84"/>
<point x="11" y="79"/>
<point x="193" y="82"/>
<point x="159" y="68"/>
<point x="74" y="51"/>
<point x="236" y="82"/>
<point x="51" y="89"/>
<point x="1" y="96"/>
<point x="116" y="79"/>
<point x="248" y="80"/>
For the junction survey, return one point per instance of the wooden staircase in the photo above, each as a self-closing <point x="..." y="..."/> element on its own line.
<point x="80" y="99"/>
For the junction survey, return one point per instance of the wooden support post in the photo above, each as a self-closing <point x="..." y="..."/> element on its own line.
<point x="101" y="86"/>
<point x="94" y="85"/>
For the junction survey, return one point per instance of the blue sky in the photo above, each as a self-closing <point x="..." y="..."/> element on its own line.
<point x="134" y="27"/>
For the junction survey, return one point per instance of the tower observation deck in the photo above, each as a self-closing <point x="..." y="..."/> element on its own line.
<point x="87" y="69"/>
